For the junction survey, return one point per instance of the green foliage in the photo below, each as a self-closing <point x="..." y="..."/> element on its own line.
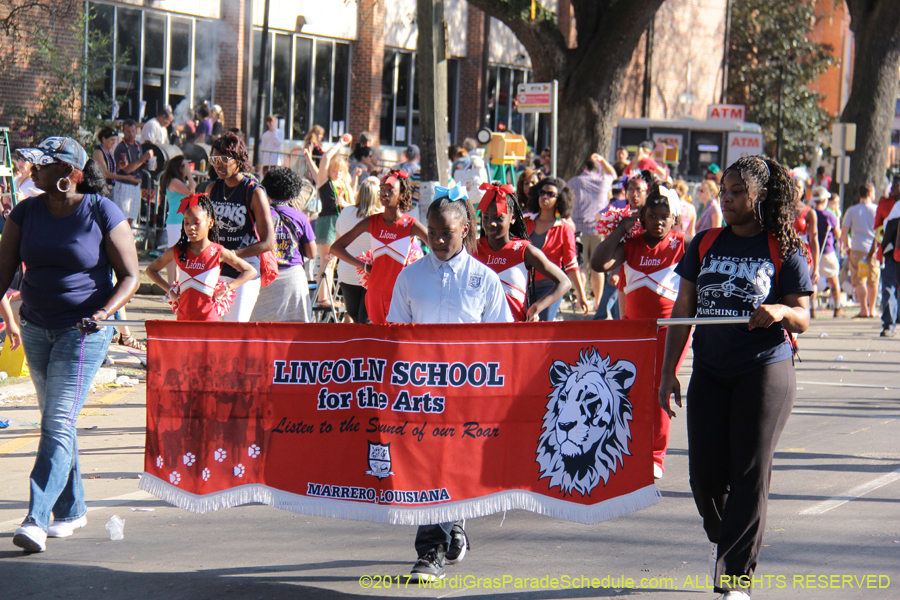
<point x="66" y="75"/>
<point x="764" y="34"/>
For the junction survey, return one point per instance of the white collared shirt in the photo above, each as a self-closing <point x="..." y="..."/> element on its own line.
<point x="460" y="290"/>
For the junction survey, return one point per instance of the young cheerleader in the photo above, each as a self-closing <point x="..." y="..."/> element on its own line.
<point x="392" y="235"/>
<point x="198" y="257"/>
<point x="648" y="281"/>
<point x="447" y="286"/>
<point x="505" y="248"/>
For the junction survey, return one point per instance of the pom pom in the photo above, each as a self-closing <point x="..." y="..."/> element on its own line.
<point x="610" y="219"/>
<point x="223" y="304"/>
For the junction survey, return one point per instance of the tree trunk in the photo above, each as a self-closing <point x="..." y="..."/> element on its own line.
<point x="590" y="76"/>
<point x="587" y="119"/>
<point x="873" y="91"/>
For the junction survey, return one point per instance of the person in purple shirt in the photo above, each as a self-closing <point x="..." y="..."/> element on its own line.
<point x="204" y="127"/>
<point x="287" y="298"/>
<point x="71" y="241"/>
<point x="829" y="233"/>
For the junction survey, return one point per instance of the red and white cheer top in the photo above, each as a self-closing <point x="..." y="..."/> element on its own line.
<point x="197" y="279"/>
<point x="509" y="264"/>
<point x="648" y="276"/>
<point x="390" y="248"/>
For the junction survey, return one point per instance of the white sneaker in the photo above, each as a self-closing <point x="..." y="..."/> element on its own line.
<point x="736" y="595"/>
<point x="30" y="538"/>
<point x="657" y="471"/>
<point x="65" y="528"/>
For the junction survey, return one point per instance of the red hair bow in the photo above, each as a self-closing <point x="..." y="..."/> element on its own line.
<point x="391" y="177"/>
<point x="495" y="193"/>
<point x="189" y="202"/>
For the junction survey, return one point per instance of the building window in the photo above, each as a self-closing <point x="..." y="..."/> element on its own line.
<point x="399" y="99"/>
<point x="308" y="84"/>
<point x="503" y="83"/>
<point x="161" y="59"/>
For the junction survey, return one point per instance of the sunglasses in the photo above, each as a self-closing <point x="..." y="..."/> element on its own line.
<point x="549" y="194"/>
<point x="220" y="160"/>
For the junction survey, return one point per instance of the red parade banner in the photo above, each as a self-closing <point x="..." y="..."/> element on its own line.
<point x="411" y="425"/>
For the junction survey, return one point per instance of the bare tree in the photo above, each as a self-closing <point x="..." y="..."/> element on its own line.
<point x="873" y="90"/>
<point x="591" y="75"/>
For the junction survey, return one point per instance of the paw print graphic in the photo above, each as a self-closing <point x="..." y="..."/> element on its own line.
<point x="205" y="474"/>
<point x="253" y="451"/>
<point x="239" y="470"/>
<point x="188" y="459"/>
<point x="175" y="478"/>
<point x="159" y="462"/>
<point x="220" y="455"/>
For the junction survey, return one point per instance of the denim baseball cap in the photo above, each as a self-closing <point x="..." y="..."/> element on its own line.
<point x="56" y="149"/>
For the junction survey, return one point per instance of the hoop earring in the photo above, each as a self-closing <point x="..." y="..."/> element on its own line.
<point x="759" y="214"/>
<point x="68" y="187"/>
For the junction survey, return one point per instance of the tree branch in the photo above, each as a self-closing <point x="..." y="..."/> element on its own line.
<point x="541" y="37"/>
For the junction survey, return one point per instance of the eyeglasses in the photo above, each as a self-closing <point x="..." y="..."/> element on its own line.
<point x="549" y="194"/>
<point x="220" y="160"/>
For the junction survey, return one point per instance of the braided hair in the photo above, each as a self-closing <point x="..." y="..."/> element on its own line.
<point x="206" y="204"/>
<point x="776" y="212"/>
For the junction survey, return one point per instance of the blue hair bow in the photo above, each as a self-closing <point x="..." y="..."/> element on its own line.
<point x="453" y="194"/>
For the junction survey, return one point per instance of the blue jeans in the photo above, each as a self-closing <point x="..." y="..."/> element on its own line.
<point x="63" y="363"/>
<point x="549" y="313"/>
<point x="889" y="312"/>
<point x="608" y="307"/>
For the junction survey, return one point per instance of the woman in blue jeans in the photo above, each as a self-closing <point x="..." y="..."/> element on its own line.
<point x="70" y="243"/>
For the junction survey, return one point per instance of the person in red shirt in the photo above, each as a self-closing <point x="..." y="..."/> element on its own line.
<point x="550" y="202"/>
<point x="505" y="248"/>
<point x="392" y="234"/>
<point x="198" y="257"/>
<point x="890" y="315"/>
<point x="649" y="282"/>
<point x="643" y="161"/>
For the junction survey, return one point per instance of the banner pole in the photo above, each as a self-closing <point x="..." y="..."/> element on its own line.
<point x="713" y="321"/>
<point x="659" y="322"/>
<point x="114" y="323"/>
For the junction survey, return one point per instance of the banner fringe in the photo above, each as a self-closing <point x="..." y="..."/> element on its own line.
<point x="426" y="515"/>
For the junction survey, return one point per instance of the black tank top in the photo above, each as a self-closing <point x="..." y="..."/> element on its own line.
<point x="233" y="218"/>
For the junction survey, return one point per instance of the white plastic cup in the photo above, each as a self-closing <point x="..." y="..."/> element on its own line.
<point x="116" y="528"/>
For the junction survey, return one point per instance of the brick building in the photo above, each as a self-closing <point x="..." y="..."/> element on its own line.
<point x="349" y="65"/>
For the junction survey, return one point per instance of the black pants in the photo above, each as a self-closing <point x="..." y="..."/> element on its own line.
<point x="355" y="301"/>
<point x="429" y="537"/>
<point x="733" y="427"/>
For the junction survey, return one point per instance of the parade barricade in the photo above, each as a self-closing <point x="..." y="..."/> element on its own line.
<point x="406" y="425"/>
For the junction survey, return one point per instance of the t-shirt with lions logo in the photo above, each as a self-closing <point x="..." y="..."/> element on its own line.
<point x="233" y="217"/>
<point x="736" y="276"/>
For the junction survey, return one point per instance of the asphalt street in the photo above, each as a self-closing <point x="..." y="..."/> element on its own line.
<point x="832" y="526"/>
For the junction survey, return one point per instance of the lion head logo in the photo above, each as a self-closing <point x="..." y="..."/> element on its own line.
<point x="587" y="423"/>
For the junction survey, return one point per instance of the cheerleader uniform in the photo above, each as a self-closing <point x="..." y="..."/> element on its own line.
<point x="197" y="279"/>
<point x="650" y="284"/>
<point x="509" y="264"/>
<point x="390" y="249"/>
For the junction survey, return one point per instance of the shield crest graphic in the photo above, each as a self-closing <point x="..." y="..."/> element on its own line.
<point x="379" y="460"/>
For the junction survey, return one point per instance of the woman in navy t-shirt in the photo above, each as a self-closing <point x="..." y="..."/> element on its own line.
<point x="70" y="244"/>
<point x="743" y="383"/>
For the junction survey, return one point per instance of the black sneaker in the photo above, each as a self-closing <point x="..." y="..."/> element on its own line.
<point x="459" y="545"/>
<point x="888" y="332"/>
<point x="429" y="567"/>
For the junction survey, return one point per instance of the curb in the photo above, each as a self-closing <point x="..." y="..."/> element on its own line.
<point x="26" y="388"/>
